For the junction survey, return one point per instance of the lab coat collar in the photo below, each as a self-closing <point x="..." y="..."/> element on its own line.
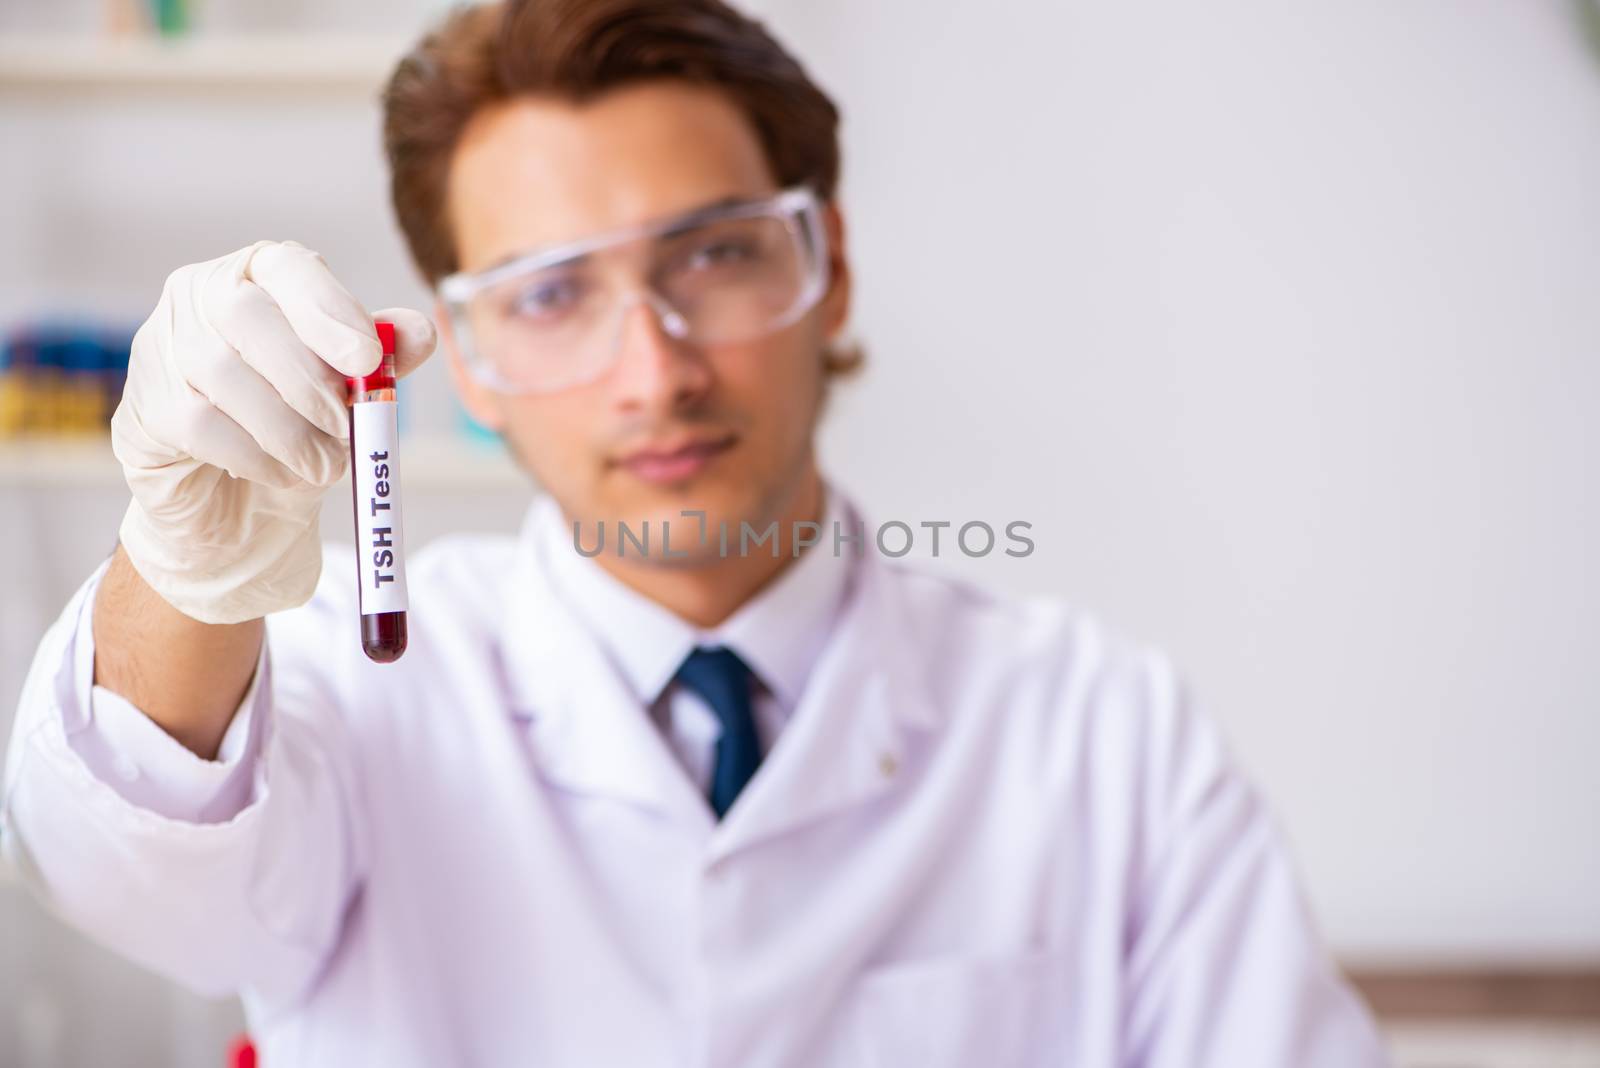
<point x="847" y="742"/>
<point x="587" y="729"/>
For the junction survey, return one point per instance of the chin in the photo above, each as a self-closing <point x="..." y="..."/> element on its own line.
<point x="720" y="503"/>
<point x="723" y="502"/>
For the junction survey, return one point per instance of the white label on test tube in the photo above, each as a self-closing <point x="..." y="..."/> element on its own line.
<point x="378" y="521"/>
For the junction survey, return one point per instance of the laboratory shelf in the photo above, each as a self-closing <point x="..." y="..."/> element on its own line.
<point x="64" y="461"/>
<point x="432" y="464"/>
<point x="275" y="61"/>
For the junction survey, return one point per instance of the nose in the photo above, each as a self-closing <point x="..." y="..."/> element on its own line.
<point x="655" y="371"/>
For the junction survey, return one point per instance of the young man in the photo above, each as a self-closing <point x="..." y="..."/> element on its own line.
<point x="729" y="804"/>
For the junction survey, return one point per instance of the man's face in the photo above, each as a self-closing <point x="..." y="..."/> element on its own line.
<point x="535" y="172"/>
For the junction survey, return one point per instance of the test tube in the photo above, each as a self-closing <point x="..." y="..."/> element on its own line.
<point x="375" y="497"/>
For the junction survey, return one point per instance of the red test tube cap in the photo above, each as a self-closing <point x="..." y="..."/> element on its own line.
<point x="382" y="376"/>
<point x="242" y="1054"/>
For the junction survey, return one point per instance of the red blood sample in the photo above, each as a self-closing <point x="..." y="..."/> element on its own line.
<point x="375" y="504"/>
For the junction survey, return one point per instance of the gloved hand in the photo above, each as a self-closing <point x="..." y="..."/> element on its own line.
<point x="233" y="424"/>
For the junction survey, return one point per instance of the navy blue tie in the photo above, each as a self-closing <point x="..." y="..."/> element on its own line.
<point x="723" y="681"/>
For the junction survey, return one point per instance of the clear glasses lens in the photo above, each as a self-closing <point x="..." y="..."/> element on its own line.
<point x="722" y="280"/>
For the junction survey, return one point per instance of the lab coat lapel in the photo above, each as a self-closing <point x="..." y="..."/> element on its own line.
<point x="586" y="728"/>
<point x="850" y="738"/>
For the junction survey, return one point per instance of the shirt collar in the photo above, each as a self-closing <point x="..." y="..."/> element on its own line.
<point x="779" y="632"/>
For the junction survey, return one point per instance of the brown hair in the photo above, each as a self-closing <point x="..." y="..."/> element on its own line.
<point x="576" y="50"/>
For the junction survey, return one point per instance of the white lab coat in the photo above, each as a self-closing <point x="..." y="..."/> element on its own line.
<point x="992" y="834"/>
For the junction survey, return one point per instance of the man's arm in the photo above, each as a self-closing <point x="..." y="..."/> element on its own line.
<point x="182" y="811"/>
<point x="1225" y="966"/>
<point x="224" y="875"/>
<point x="186" y="676"/>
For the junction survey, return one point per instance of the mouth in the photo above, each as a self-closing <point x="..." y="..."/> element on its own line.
<point x="675" y="461"/>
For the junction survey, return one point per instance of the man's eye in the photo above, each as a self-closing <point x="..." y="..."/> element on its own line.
<point x="724" y="251"/>
<point x="546" y="298"/>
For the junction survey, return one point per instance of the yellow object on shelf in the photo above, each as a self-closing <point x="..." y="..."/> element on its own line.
<point x="61" y="378"/>
<point x="13" y="406"/>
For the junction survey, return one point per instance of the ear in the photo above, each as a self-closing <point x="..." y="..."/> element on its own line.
<point x="481" y="402"/>
<point x="836" y="301"/>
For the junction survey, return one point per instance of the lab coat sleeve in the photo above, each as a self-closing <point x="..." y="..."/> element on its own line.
<point x="223" y="875"/>
<point x="126" y="750"/>
<point x="1224" y="968"/>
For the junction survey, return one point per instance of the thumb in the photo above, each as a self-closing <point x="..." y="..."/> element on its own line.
<point x="414" y="338"/>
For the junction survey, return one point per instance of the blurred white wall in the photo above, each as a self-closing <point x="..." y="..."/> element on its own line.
<point x="1276" y="321"/>
<point x="1280" y="322"/>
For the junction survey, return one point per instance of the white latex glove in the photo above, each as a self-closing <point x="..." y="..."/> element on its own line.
<point x="233" y="424"/>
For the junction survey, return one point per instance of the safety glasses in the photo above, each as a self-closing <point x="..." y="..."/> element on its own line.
<point x="553" y="318"/>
